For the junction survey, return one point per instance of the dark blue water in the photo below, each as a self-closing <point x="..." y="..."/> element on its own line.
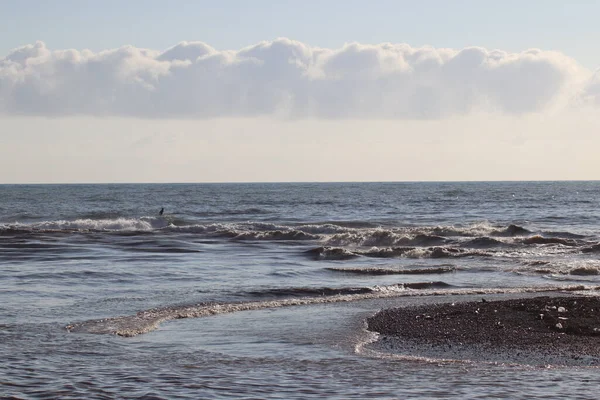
<point x="262" y="290"/>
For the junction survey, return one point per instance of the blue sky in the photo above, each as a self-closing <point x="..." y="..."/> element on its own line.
<point x="569" y="27"/>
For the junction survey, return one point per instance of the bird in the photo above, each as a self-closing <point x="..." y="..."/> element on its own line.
<point x="162" y="210"/>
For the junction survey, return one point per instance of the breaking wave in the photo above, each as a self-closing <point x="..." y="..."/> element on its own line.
<point x="384" y="237"/>
<point x="481" y="229"/>
<point x="276" y="235"/>
<point x="114" y="225"/>
<point x="331" y="253"/>
<point x="149" y="320"/>
<point x="335" y="241"/>
<point x="340" y="253"/>
<point x="512" y="230"/>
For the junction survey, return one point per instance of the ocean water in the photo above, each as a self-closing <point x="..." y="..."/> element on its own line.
<point x="262" y="290"/>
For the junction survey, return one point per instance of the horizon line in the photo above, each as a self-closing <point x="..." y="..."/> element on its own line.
<point x="296" y="182"/>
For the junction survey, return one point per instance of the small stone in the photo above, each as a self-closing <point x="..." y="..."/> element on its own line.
<point x="562" y="310"/>
<point x="559" y="326"/>
<point x="541" y="316"/>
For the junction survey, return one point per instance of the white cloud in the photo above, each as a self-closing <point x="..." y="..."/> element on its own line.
<point x="291" y="79"/>
<point x="186" y="51"/>
<point x="591" y="93"/>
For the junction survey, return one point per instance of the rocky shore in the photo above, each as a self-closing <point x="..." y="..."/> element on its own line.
<point x="540" y="330"/>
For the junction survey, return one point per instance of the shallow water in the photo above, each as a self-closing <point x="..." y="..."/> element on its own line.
<point x="261" y="290"/>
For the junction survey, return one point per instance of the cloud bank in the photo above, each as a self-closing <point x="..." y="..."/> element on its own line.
<point x="289" y="79"/>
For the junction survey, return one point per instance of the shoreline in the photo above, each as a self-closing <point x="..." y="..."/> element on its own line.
<point x="557" y="330"/>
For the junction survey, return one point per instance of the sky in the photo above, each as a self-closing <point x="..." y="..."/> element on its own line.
<point x="240" y="91"/>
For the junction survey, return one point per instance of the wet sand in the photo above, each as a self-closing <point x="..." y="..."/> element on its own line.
<point x="540" y="330"/>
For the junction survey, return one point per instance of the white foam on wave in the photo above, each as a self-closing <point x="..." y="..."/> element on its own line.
<point x="149" y="320"/>
<point x="423" y="235"/>
<point x="206" y="229"/>
<point x="116" y="224"/>
<point x="366" y="237"/>
<point x="249" y="231"/>
<point x="364" y="348"/>
<point x="276" y="235"/>
<point x="418" y="253"/>
<point x="325" y="229"/>
<point x="331" y="234"/>
<point x="390" y="289"/>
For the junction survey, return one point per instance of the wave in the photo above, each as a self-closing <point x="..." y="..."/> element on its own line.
<point x="537" y="239"/>
<point x="115" y="225"/>
<point x="427" y="285"/>
<point x="129" y="226"/>
<point x="480" y="229"/>
<point x="579" y="268"/>
<point x="394" y="271"/>
<point x="384" y="237"/>
<point x="323" y="229"/>
<point x="337" y="242"/>
<point x="165" y="250"/>
<point x="295" y="292"/>
<point x="512" y="230"/>
<point x="484" y="241"/>
<point x="446" y="252"/>
<point x="253" y="231"/>
<point x="331" y="253"/>
<point x="340" y="253"/>
<point x="389" y="252"/>
<point x="429" y="252"/>
<point x="537" y="263"/>
<point x="13" y="230"/>
<point x="307" y="291"/>
<point x="423" y="236"/>
<point x="149" y="320"/>
<point x="591" y="249"/>
<point x="586" y="270"/>
<point x="276" y="235"/>
<point x="244" y="211"/>
<point x="563" y="234"/>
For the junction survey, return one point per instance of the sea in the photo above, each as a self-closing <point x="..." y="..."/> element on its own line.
<point x="262" y="290"/>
